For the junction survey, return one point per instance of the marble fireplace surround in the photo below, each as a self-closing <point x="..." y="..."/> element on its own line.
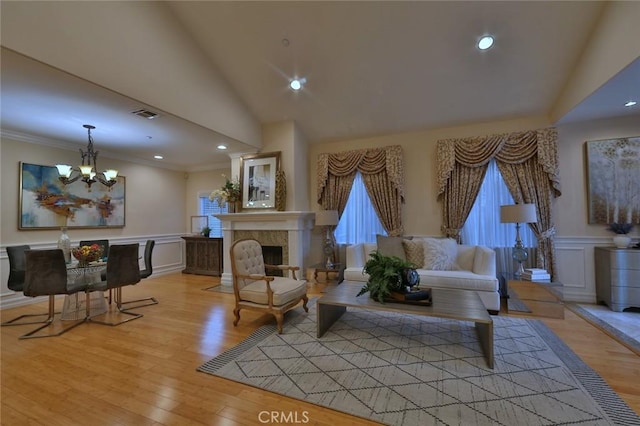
<point x="289" y="230"/>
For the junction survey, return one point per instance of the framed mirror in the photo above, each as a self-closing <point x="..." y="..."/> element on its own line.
<point x="258" y="180"/>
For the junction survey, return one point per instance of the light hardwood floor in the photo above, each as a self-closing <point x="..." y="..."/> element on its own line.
<point x="144" y="372"/>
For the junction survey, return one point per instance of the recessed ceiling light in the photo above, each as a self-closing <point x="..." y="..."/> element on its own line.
<point x="222" y="147"/>
<point x="296" y="83"/>
<point x="630" y="103"/>
<point x="158" y="157"/>
<point x="485" y="42"/>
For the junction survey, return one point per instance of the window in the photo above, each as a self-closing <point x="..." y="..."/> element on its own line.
<point x="483" y="225"/>
<point x="359" y="222"/>
<point x="209" y="208"/>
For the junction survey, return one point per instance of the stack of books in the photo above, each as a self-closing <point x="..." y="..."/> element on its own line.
<point x="536" y="274"/>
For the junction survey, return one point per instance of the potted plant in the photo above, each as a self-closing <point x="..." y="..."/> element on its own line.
<point x="206" y="231"/>
<point x="385" y="276"/>
<point x="621" y="240"/>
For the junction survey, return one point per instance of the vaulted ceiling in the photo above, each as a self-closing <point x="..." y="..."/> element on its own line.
<point x="216" y="71"/>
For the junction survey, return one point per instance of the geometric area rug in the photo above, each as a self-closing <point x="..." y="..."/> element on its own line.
<point x="413" y="370"/>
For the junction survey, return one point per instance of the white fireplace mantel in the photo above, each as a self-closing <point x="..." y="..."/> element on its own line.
<point x="298" y="225"/>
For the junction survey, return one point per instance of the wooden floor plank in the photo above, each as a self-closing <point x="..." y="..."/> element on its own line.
<point x="144" y="372"/>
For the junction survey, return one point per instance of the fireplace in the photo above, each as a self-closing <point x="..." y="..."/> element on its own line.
<point x="289" y="230"/>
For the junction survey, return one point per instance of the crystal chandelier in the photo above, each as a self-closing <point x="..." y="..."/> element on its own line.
<point x="87" y="172"/>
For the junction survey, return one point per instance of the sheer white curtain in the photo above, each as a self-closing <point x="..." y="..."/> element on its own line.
<point x="483" y="225"/>
<point x="359" y="222"/>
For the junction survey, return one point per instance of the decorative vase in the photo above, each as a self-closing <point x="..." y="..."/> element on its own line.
<point x="281" y="191"/>
<point x="64" y="243"/>
<point x="232" y="206"/>
<point x="621" y="241"/>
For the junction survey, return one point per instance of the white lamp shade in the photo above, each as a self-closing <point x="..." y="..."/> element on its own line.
<point x="518" y="213"/>
<point x="110" y="174"/>
<point x="327" y="218"/>
<point x="86" y="170"/>
<point x="64" y="170"/>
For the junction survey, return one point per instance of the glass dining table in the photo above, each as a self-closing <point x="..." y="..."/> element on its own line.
<point x="74" y="307"/>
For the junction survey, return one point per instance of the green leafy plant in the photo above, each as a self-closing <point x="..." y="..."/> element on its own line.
<point x="206" y="231"/>
<point x="385" y="275"/>
<point x="620" y="228"/>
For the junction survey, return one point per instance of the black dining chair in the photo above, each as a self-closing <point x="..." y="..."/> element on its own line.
<point x="46" y="275"/>
<point x="145" y="273"/>
<point x="16" y="255"/>
<point x="122" y="269"/>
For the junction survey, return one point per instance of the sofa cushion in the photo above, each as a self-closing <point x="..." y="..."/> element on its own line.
<point x="440" y="254"/>
<point x="465" y="257"/>
<point x="390" y="246"/>
<point x="484" y="261"/>
<point x="414" y="252"/>
<point x="284" y="291"/>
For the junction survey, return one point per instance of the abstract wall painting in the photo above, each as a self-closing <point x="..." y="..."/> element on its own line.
<point x="45" y="203"/>
<point x="613" y="169"/>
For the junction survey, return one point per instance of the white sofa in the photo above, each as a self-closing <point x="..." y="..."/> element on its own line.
<point x="477" y="271"/>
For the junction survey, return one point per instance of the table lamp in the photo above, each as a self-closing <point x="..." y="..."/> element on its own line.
<point x="328" y="219"/>
<point x="518" y="213"/>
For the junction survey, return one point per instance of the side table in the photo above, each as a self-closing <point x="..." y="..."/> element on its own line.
<point x="532" y="298"/>
<point x="337" y="270"/>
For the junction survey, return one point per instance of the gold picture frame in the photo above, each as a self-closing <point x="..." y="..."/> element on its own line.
<point x="258" y="180"/>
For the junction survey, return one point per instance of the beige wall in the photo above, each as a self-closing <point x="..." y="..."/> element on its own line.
<point x="422" y="211"/>
<point x="571" y="207"/>
<point x="202" y="182"/>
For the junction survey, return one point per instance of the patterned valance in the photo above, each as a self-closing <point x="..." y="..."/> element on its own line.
<point x="510" y="148"/>
<point x="366" y="161"/>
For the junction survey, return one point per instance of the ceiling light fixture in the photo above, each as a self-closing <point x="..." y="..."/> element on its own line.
<point x="158" y="157"/>
<point x="630" y="103"/>
<point x="87" y="172"/>
<point x="485" y="42"/>
<point x="222" y="147"/>
<point x="297" y="83"/>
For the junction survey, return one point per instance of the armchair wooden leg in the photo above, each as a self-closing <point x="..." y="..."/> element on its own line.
<point x="305" y="299"/>
<point x="279" y="320"/>
<point x="236" y="312"/>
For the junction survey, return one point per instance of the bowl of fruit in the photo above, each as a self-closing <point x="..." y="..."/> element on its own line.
<point x="86" y="254"/>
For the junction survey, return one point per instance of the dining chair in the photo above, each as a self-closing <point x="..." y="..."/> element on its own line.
<point x="255" y="290"/>
<point x="145" y="273"/>
<point x="122" y="270"/>
<point x="16" y="255"/>
<point x="46" y="275"/>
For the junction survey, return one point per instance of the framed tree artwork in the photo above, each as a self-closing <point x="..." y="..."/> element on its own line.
<point x="46" y="203"/>
<point x="613" y="179"/>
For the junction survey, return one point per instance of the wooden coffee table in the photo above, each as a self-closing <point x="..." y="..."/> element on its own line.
<point x="453" y="304"/>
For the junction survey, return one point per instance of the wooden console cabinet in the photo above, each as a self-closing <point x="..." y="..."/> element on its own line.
<point x="617" y="277"/>
<point x="204" y="256"/>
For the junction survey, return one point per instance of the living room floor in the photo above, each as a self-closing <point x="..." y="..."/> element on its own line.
<point x="144" y="371"/>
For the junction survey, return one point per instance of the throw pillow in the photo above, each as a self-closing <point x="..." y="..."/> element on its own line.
<point x="390" y="246"/>
<point x="414" y="251"/>
<point x="440" y="254"/>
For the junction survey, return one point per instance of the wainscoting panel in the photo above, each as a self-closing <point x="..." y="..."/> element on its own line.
<point x="573" y="273"/>
<point x="168" y="257"/>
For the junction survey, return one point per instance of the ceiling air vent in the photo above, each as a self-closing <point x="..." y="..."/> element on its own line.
<point x="145" y="113"/>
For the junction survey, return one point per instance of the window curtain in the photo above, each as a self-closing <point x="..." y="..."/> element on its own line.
<point x="528" y="162"/>
<point x="382" y="171"/>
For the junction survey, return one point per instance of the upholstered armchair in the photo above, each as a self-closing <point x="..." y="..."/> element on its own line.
<point x="256" y="290"/>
